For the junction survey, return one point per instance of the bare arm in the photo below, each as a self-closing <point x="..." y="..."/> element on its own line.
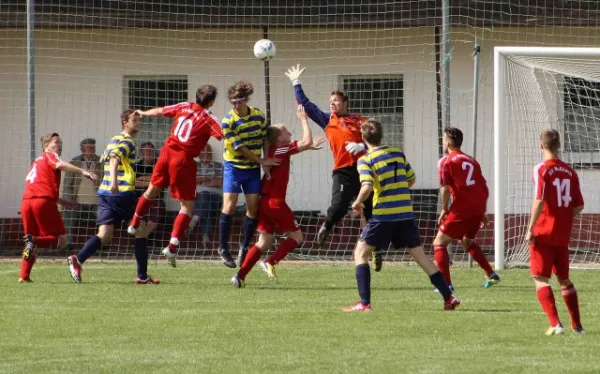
<point x="536" y="211"/>
<point x="365" y="192"/>
<point x="445" y="197"/>
<point x="151" y="112"/>
<point x="113" y="168"/>
<point x="577" y="210"/>
<point x="307" y="139"/>
<point x="411" y="182"/>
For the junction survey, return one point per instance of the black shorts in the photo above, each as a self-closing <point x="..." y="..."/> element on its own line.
<point x="401" y="234"/>
<point x="112" y="210"/>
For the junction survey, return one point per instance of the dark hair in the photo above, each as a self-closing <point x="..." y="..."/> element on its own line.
<point x="272" y="133"/>
<point x="125" y="116"/>
<point x="341" y="94"/>
<point x="146" y="144"/>
<point x="455" y="135"/>
<point x="550" y="140"/>
<point x="372" y="131"/>
<point x="46" y="139"/>
<point x="205" y="94"/>
<point x="240" y="90"/>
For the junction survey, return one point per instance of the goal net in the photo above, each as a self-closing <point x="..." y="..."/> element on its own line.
<point x="538" y="88"/>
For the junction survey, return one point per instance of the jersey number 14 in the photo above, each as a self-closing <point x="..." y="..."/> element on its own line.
<point x="31" y="175"/>
<point x="563" y="192"/>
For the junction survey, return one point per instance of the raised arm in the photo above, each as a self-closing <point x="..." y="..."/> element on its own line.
<point x="156" y="112"/>
<point x="307" y="140"/>
<point x="320" y="117"/>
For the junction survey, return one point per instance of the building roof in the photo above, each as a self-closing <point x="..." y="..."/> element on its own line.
<point x="165" y="14"/>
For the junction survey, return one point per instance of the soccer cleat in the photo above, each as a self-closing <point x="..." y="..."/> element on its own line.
<point x="492" y="280"/>
<point x="241" y="256"/>
<point x="75" y="268"/>
<point x="131" y="230"/>
<point x="358" y="307"/>
<point x="556" y="330"/>
<point x="377" y="260"/>
<point x="269" y="269"/>
<point x="322" y="236"/>
<point x="171" y="257"/>
<point x="147" y="281"/>
<point x="237" y="282"/>
<point x="578" y="330"/>
<point x="28" y="280"/>
<point x="29" y="246"/>
<point x="451" y="287"/>
<point x="452" y="303"/>
<point x="227" y="259"/>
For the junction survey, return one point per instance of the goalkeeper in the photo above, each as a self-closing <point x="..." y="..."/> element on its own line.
<point x="342" y="130"/>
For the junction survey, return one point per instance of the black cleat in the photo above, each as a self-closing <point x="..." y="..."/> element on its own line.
<point x="227" y="259"/>
<point x="322" y="236"/>
<point x="29" y="246"/>
<point x="241" y="256"/>
<point x="377" y="260"/>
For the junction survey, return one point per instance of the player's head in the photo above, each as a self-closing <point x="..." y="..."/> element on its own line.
<point x="452" y="139"/>
<point x="338" y="103"/>
<point x="147" y="151"/>
<point x="239" y="94"/>
<point x="207" y="154"/>
<point x="550" y="141"/>
<point x="206" y="95"/>
<point x="130" y="121"/>
<point x="51" y="143"/>
<point x="278" y="134"/>
<point x="372" y="132"/>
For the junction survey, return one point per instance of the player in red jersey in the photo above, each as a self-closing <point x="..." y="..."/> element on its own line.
<point x="176" y="167"/>
<point x="273" y="212"/>
<point x="42" y="222"/>
<point x="557" y="201"/>
<point x="461" y="177"/>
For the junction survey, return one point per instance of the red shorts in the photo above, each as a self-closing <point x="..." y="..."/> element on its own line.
<point x="275" y="215"/>
<point x="459" y="229"/>
<point x="548" y="259"/>
<point x="178" y="171"/>
<point x="41" y="217"/>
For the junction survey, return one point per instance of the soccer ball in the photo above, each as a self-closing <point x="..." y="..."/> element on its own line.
<point x="264" y="49"/>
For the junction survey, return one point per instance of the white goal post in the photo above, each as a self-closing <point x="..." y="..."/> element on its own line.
<point x="536" y="88"/>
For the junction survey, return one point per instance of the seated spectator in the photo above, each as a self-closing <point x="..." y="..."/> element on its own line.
<point x="81" y="192"/>
<point x="210" y="194"/>
<point x="143" y="172"/>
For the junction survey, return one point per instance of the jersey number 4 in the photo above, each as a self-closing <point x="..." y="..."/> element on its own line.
<point x="183" y="129"/>
<point x="469" y="166"/>
<point x="563" y="192"/>
<point x="31" y="175"/>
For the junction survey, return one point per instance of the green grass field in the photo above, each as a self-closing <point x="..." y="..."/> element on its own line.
<point x="196" y="322"/>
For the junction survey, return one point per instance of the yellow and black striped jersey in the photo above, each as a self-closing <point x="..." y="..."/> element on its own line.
<point x="249" y="131"/>
<point x="122" y="147"/>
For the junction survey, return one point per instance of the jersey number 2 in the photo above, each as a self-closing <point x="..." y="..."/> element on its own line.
<point x="563" y="192"/>
<point x="470" y="167"/>
<point x="32" y="174"/>
<point x="183" y="129"/>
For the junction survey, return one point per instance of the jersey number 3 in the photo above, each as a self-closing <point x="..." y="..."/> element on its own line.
<point x="183" y="129"/>
<point x="563" y="192"/>
<point x="469" y="166"/>
<point x="32" y="174"/>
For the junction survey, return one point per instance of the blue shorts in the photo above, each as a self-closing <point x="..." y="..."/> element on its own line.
<point x="236" y="180"/>
<point x="112" y="210"/>
<point x="401" y="234"/>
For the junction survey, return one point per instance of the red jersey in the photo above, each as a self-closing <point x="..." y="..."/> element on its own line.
<point x="340" y="130"/>
<point x="43" y="179"/>
<point x="558" y="185"/>
<point x="192" y="127"/>
<point x="462" y="174"/>
<point x="276" y="186"/>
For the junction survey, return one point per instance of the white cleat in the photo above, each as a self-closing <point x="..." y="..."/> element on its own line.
<point x="171" y="257"/>
<point x="131" y="230"/>
<point x="556" y="330"/>
<point x="269" y="269"/>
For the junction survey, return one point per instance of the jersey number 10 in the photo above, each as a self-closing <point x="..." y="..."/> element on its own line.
<point x="183" y="129"/>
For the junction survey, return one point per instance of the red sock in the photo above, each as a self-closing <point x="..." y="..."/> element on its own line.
<point x="46" y="241"/>
<point x="442" y="260"/>
<point x="182" y="221"/>
<point x="282" y="250"/>
<point x="569" y="295"/>
<point x="477" y="254"/>
<point x="546" y="298"/>
<point x="26" y="266"/>
<point x="141" y="210"/>
<point x="251" y="259"/>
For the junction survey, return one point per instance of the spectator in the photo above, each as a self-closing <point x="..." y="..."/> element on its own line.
<point x="82" y="191"/>
<point x="209" y="193"/>
<point x="143" y="172"/>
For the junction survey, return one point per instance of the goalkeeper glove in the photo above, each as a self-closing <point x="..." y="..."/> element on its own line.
<point x="294" y="74"/>
<point x="355" y="148"/>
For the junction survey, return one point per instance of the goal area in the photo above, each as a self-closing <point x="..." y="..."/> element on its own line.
<point x="537" y="88"/>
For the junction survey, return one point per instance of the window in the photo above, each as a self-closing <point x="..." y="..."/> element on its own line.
<point x="581" y="99"/>
<point x="379" y="96"/>
<point x="152" y="92"/>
